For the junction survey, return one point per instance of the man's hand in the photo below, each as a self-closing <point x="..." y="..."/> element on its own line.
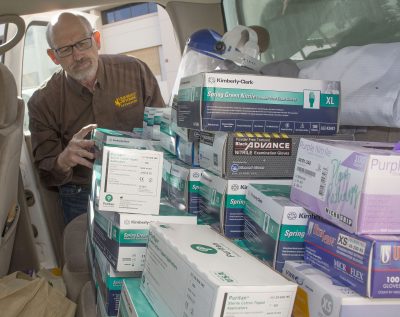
<point x="78" y="151"/>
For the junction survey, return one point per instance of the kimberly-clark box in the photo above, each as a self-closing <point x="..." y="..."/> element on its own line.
<point x="123" y="237"/>
<point x="370" y="265"/>
<point x="243" y="102"/>
<point x="194" y="271"/>
<point x="130" y="180"/>
<point x="184" y="186"/>
<point x="100" y="306"/>
<point x="222" y="201"/>
<point x="320" y="295"/>
<point x="353" y="184"/>
<point x="133" y="303"/>
<point x="274" y="226"/>
<point x="106" y="137"/>
<point x="167" y="135"/>
<point x="252" y="154"/>
<point x="187" y="151"/>
<point x="109" y="282"/>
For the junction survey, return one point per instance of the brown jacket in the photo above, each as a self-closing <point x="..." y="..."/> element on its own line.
<point x="61" y="107"/>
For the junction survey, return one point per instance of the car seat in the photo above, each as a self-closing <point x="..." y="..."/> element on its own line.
<point x="11" y="138"/>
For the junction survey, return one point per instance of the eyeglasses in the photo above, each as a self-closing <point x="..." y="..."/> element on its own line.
<point x="67" y="50"/>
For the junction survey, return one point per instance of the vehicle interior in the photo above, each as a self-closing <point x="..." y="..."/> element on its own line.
<point x="354" y="41"/>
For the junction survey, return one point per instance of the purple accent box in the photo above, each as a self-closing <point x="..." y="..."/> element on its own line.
<point x="370" y="265"/>
<point x="354" y="185"/>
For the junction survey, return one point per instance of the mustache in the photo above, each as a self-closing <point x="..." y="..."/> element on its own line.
<point x="80" y="62"/>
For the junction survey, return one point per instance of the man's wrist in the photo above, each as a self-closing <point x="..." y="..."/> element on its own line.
<point x="60" y="166"/>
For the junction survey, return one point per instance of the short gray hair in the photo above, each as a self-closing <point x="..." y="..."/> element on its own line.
<point x="56" y="18"/>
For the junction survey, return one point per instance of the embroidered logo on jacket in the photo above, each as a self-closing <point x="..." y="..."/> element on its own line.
<point x="127" y="100"/>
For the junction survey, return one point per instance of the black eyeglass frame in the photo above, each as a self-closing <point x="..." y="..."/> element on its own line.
<point x="76" y="45"/>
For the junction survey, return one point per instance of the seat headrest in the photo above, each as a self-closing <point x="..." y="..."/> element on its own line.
<point x="8" y="98"/>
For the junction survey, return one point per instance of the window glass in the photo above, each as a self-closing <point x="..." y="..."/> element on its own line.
<point x="140" y="9"/>
<point x="122" y="14"/>
<point x="110" y="17"/>
<point x="37" y="66"/>
<point x="308" y="29"/>
<point x="128" y="12"/>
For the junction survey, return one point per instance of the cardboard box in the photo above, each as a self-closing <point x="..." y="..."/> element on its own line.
<point x="355" y="185"/>
<point x="100" y="306"/>
<point x="252" y="154"/>
<point x="130" y="180"/>
<point x="167" y="135"/>
<point x="187" y="151"/>
<point x="370" y="265"/>
<point x="122" y="237"/>
<point x="242" y="102"/>
<point x="133" y="303"/>
<point x="320" y="295"/>
<point x="109" y="282"/>
<point x="204" y="275"/>
<point x="222" y="201"/>
<point x="274" y="226"/>
<point x="106" y="137"/>
<point x="184" y="186"/>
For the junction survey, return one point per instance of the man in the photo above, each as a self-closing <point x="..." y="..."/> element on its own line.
<point x="90" y="90"/>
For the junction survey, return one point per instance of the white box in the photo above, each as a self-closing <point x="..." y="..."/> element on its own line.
<point x="124" y="139"/>
<point x="353" y="184"/>
<point x="130" y="180"/>
<point x="193" y="271"/>
<point x="122" y="237"/>
<point x="319" y="295"/>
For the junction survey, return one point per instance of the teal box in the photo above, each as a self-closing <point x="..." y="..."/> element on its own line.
<point x="183" y="186"/>
<point x="133" y="303"/>
<point x="109" y="282"/>
<point x="222" y="202"/>
<point x="274" y="227"/>
<point x="221" y="101"/>
<point x="122" y="237"/>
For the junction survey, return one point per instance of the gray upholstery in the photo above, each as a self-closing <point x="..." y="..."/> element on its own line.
<point x="87" y="301"/>
<point x="76" y="271"/>
<point x="11" y="137"/>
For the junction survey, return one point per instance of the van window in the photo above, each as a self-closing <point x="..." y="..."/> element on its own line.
<point x="308" y="29"/>
<point x="127" y="12"/>
<point x="37" y="66"/>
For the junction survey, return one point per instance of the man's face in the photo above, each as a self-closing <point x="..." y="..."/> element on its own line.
<point x="82" y="63"/>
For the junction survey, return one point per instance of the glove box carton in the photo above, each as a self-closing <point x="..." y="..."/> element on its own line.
<point x="320" y="295"/>
<point x="369" y="264"/>
<point x="222" y="201"/>
<point x="191" y="270"/>
<point x="224" y="101"/>
<point x="354" y="185"/>
<point x="253" y="154"/>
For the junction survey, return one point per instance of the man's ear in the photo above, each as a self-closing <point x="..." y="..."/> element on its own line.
<point x="96" y="35"/>
<point x="53" y="56"/>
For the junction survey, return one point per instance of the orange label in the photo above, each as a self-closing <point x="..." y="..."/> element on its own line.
<point x="300" y="308"/>
<point x="126" y="100"/>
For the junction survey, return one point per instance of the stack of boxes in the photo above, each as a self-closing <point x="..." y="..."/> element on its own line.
<point x="260" y="167"/>
<point x="125" y="199"/>
<point x="354" y="187"/>
<point x="250" y="136"/>
<point x="181" y="171"/>
<point x="250" y="130"/>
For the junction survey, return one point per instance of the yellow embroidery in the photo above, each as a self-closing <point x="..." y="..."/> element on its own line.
<point x="126" y="100"/>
